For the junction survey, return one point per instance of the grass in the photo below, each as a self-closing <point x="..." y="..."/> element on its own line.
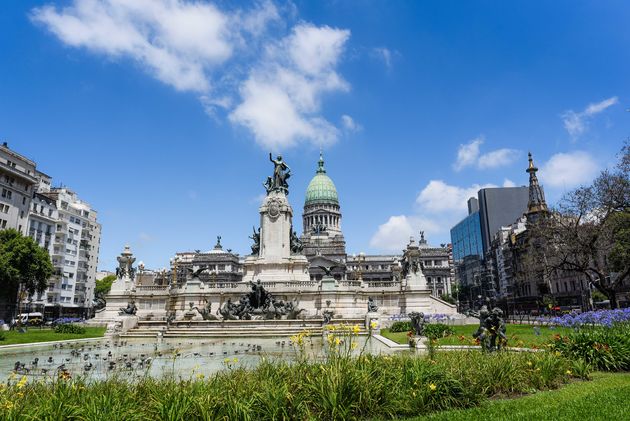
<point x="35" y="334"/>
<point x="518" y="335"/>
<point x="607" y="397"/>
<point x="338" y="388"/>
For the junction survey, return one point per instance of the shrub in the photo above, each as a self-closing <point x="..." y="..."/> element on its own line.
<point x="400" y="326"/>
<point x="2" y="336"/>
<point x="70" y="328"/>
<point x="605" y="348"/>
<point x="437" y="330"/>
<point x="365" y="387"/>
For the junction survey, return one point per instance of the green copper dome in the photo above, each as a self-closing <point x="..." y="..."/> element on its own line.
<point x="321" y="189"/>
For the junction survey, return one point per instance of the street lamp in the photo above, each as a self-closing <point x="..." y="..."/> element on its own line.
<point x="140" y="272"/>
<point x="359" y="260"/>
<point x="174" y="261"/>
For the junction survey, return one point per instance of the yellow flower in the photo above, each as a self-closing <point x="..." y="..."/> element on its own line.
<point x="529" y="363"/>
<point x="557" y="353"/>
<point x="337" y="341"/>
<point x="235" y="359"/>
<point x="373" y="324"/>
<point x="354" y="345"/>
<point x="8" y="405"/>
<point x="226" y="360"/>
<point x="569" y="372"/>
<point x="22" y="382"/>
<point x="330" y="339"/>
<point x="356" y="329"/>
<point x="200" y="376"/>
<point x="432" y="386"/>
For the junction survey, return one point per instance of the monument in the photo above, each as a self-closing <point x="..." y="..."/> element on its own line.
<point x="273" y="283"/>
<point x="276" y="252"/>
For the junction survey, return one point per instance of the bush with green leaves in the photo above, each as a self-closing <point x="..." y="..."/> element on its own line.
<point x="2" y="336"/>
<point x="70" y="328"/>
<point x="437" y="330"/>
<point x="605" y="348"/>
<point x="337" y="388"/>
<point x="400" y="326"/>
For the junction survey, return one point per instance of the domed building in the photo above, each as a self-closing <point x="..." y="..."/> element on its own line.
<point x="323" y="241"/>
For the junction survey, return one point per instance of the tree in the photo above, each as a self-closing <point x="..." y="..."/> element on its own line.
<point x="24" y="266"/>
<point x="589" y="233"/>
<point x="104" y="285"/>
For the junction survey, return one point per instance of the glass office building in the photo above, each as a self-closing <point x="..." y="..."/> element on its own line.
<point x="466" y="238"/>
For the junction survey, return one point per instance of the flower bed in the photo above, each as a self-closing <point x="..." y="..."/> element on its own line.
<point x="339" y="387"/>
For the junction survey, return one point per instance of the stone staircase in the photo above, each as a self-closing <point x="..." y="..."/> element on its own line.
<point x="232" y="328"/>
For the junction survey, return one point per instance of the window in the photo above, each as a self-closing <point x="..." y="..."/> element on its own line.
<point x="24" y="200"/>
<point x="6" y="193"/>
<point x="4" y="208"/>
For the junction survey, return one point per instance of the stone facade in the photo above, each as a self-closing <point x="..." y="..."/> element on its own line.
<point x="321" y="277"/>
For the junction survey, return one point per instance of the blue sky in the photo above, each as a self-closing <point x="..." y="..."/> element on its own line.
<point x="161" y="114"/>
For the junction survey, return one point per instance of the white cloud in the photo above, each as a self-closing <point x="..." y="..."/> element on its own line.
<point x="438" y="197"/>
<point x="385" y="55"/>
<point x="349" y="124"/>
<point x="176" y="42"/>
<point x="281" y="97"/>
<point x="568" y="170"/>
<point x="508" y="183"/>
<point x="469" y="155"/>
<point x="439" y="206"/>
<point x="196" y="47"/>
<point x="497" y="158"/>
<point x="394" y="234"/>
<point x="576" y="123"/>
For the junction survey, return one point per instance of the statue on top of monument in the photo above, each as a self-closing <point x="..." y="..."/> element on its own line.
<point x="256" y="238"/>
<point x="281" y="172"/>
<point x="295" y="242"/>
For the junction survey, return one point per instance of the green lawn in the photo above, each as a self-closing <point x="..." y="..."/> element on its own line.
<point x="606" y="397"/>
<point x="35" y="334"/>
<point x="518" y="335"/>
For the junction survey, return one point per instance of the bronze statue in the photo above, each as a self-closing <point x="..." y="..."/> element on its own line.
<point x="328" y="270"/>
<point x="417" y="322"/>
<point x="491" y="333"/>
<point x="130" y="310"/>
<point x="328" y="315"/>
<point x="371" y="305"/>
<point x="256" y="237"/>
<point x="295" y="243"/>
<point x="281" y="172"/>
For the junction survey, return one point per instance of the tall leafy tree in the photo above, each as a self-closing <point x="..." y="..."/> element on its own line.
<point x="24" y="265"/>
<point x="104" y="285"/>
<point x="589" y="232"/>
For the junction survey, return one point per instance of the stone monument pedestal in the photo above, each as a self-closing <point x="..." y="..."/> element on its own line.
<point x="371" y="317"/>
<point x="275" y="262"/>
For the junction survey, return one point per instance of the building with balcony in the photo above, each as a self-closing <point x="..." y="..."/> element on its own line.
<point x="17" y="185"/>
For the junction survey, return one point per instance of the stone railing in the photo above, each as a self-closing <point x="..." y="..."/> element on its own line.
<point x="291" y="284"/>
<point x="383" y="284"/>
<point x="350" y="283"/>
<point x="224" y="285"/>
<point x="152" y="289"/>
